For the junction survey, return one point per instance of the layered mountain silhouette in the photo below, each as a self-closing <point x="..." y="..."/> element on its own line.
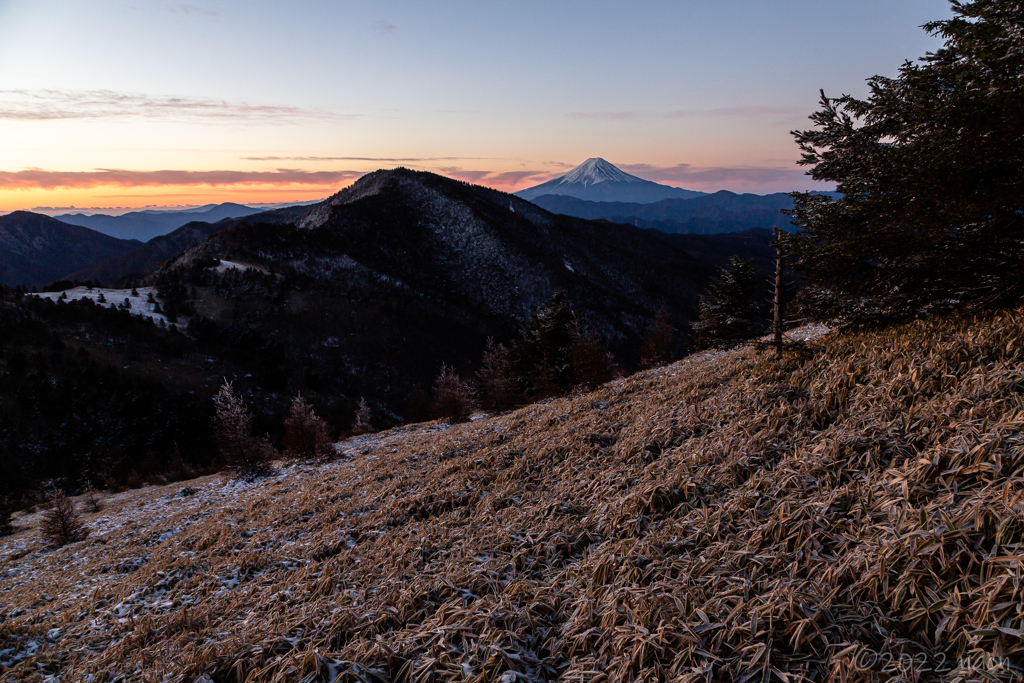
<point x="720" y="212"/>
<point x="157" y="250"/>
<point x="145" y="225"/>
<point x="369" y="292"/>
<point x="37" y="249"/>
<point x="597" y="180"/>
<point x="363" y="296"/>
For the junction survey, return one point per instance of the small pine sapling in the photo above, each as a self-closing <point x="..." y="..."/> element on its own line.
<point x="495" y="380"/>
<point x="455" y="397"/>
<point x="61" y="523"/>
<point x="6" y="508"/>
<point x="241" y="450"/>
<point x="363" y="424"/>
<point x="93" y="502"/>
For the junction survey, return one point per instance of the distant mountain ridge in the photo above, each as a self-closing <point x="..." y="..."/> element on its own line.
<point x="147" y="224"/>
<point x="597" y="180"/>
<point x="373" y="289"/>
<point x="37" y="250"/>
<point x="157" y="250"/>
<point x="709" y="214"/>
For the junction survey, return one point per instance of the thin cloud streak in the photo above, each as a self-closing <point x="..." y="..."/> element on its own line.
<point x="509" y="179"/>
<point x="193" y="9"/>
<point x="48" y="105"/>
<point x="384" y="159"/>
<point x="740" y="111"/>
<point x="36" y="179"/>
<point x="686" y="172"/>
<point x="605" y="115"/>
<point x="383" y="27"/>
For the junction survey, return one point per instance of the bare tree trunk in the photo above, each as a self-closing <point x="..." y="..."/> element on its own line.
<point x="777" y="302"/>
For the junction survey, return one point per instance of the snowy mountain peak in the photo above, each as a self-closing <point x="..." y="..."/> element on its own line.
<point x="597" y="170"/>
<point x="597" y="180"/>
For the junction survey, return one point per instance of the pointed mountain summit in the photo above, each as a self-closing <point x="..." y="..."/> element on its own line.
<point x="597" y="180"/>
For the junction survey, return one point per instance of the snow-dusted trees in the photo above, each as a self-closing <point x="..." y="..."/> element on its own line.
<point x="241" y="449"/>
<point x="305" y="433"/>
<point x="455" y="397"/>
<point x="363" y="423"/>
<point x="494" y="378"/>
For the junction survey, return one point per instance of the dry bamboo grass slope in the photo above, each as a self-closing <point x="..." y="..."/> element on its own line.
<point x="730" y="517"/>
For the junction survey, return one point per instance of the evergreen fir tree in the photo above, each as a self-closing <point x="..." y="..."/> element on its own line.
<point x="930" y="167"/>
<point x="541" y="357"/>
<point x="728" y="309"/>
<point x="61" y="523"/>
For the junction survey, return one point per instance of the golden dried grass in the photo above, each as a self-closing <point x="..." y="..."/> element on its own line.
<point x="730" y="517"/>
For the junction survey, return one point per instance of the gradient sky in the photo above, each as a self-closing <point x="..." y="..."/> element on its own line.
<point x="130" y="104"/>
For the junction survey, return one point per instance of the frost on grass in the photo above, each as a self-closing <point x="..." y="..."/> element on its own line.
<point x="731" y="516"/>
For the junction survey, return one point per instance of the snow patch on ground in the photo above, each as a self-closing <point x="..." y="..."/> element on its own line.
<point x="225" y="266"/>
<point x="139" y="302"/>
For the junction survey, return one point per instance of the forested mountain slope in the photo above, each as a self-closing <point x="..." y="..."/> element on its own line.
<point x="37" y="250"/>
<point x="374" y="289"/>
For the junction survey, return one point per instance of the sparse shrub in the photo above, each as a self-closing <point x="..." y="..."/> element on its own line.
<point x="134" y="480"/>
<point x="658" y="347"/>
<point x="61" y="523"/>
<point x="241" y="450"/>
<point x="93" y="503"/>
<point x="6" y="509"/>
<point x="455" y="397"/>
<point x="178" y="469"/>
<point x="363" y="423"/>
<point x="417" y="405"/>
<point x="101" y="298"/>
<point x="305" y="434"/>
<point x="592" y="363"/>
<point x="494" y="378"/>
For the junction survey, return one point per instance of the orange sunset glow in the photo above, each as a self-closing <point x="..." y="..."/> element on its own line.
<point x="270" y="104"/>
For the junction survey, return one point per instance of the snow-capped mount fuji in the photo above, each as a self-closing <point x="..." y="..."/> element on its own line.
<point x="597" y="180"/>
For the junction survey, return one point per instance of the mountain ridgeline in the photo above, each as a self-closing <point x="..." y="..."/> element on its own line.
<point x="145" y="225"/>
<point x="150" y="255"/>
<point x="710" y="214"/>
<point x="371" y="291"/>
<point x="37" y="249"/>
<point x="365" y="296"/>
